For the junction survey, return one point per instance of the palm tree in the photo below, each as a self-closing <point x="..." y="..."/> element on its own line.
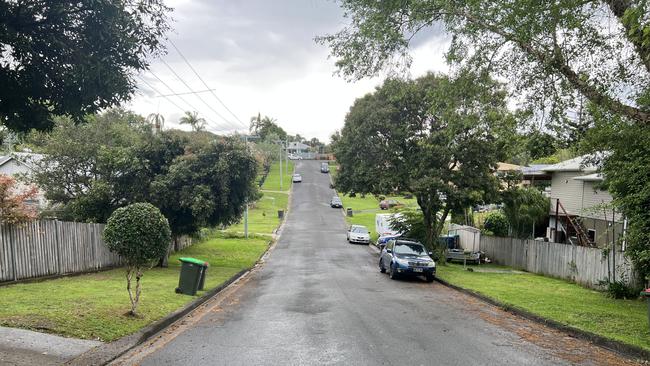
<point x="157" y="121"/>
<point x="192" y="118"/>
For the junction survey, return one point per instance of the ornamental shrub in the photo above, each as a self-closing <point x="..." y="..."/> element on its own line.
<point x="140" y="234"/>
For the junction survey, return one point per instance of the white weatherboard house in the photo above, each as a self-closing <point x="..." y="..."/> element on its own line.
<point x="18" y="164"/>
<point x="300" y="149"/>
<point x="580" y="211"/>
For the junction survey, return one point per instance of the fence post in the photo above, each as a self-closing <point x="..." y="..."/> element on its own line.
<point x="13" y="251"/>
<point x="57" y="243"/>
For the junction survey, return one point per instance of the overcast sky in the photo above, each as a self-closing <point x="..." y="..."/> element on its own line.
<point x="260" y="56"/>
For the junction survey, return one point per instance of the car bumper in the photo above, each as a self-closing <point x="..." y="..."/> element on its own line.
<point x="414" y="271"/>
<point x="360" y="241"/>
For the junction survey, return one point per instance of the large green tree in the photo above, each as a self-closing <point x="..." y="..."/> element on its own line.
<point x="73" y="57"/>
<point x="550" y="51"/>
<point x="208" y="187"/>
<point x="437" y="137"/>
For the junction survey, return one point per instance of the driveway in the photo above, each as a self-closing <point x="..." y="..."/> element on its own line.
<point x="319" y="300"/>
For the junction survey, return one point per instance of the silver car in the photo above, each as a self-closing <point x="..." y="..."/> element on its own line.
<point x="358" y="234"/>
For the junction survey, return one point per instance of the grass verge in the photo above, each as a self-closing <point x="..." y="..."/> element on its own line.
<point x="94" y="306"/>
<point x="272" y="181"/>
<point x="564" y="302"/>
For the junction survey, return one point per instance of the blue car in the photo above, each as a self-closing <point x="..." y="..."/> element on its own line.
<point x="406" y="258"/>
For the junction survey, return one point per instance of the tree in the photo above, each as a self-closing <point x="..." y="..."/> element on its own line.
<point x="92" y="169"/>
<point x="13" y="209"/>
<point x="157" y="121"/>
<point x="140" y="234"/>
<point x="73" y="57"/>
<point x="437" y="137"/>
<point x="192" y="118"/>
<point x="551" y="51"/>
<point x="265" y="126"/>
<point x="208" y="187"/>
<point x="524" y="208"/>
<point x="496" y="223"/>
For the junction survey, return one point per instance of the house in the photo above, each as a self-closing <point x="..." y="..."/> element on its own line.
<point x="20" y="164"/>
<point x="580" y="211"/>
<point x="300" y="149"/>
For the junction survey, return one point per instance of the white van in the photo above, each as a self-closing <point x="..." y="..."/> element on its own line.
<point x="382" y="224"/>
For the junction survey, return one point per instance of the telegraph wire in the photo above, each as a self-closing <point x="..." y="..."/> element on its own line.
<point x="183" y="110"/>
<point x="197" y="95"/>
<point x="205" y="84"/>
<point x="215" y="126"/>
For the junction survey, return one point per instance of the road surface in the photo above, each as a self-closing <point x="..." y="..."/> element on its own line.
<point x="319" y="300"/>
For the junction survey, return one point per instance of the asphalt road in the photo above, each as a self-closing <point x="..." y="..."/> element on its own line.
<point x="320" y="300"/>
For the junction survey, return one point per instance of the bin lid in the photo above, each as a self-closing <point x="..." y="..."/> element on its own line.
<point x="193" y="261"/>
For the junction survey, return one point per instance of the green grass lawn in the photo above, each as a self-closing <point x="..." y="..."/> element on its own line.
<point x="263" y="214"/>
<point x="272" y="181"/>
<point x="94" y="306"/>
<point x="559" y="300"/>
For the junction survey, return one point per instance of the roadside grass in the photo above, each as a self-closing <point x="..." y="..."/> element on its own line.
<point x="94" y="306"/>
<point x="263" y="214"/>
<point x="559" y="300"/>
<point x="272" y="181"/>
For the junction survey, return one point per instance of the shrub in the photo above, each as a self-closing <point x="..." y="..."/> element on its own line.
<point x="620" y="290"/>
<point x="13" y="209"/>
<point x="496" y="223"/>
<point x="140" y="234"/>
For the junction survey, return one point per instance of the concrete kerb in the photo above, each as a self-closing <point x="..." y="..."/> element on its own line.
<point x="610" y="344"/>
<point x="108" y="352"/>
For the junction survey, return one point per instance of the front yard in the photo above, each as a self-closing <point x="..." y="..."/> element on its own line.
<point x="559" y="300"/>
<point x="94" y="306"/>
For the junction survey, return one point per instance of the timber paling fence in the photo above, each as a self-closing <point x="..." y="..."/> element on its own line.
<point x="49" y="248"/>
<point x="583" y="265"/>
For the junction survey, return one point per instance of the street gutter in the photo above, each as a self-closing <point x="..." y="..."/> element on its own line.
<point x="621" y="348"/>
<point x="104" y="354"/>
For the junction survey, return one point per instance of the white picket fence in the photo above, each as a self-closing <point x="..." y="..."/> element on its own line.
<point x="583" y="265"/>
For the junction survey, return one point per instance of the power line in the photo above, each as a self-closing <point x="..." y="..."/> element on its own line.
<point x="215" y="126"/>
<point x="171" y="100"/>
<point x="205" y="84"/>
<point x="186" y="93"/>
<point x="197" y="95"/>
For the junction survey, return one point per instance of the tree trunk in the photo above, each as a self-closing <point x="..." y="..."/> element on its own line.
<point x="164" y="261"/>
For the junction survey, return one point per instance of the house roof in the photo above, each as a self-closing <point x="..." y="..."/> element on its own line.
<point x="578" y="164"/>
<point x="506" y="167"/>
<point x="23" y="157"/>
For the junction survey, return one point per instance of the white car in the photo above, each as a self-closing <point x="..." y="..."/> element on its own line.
<point x="358" y="234"/>
<point x="294" y="157"/>
<point x="297" y="178"/>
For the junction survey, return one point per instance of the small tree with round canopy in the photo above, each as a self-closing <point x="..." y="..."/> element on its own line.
<point x="140" y="234"/>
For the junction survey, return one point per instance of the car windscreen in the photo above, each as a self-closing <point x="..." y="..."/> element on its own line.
<point x="410" y="248"/>
<point x="360" y="230"/>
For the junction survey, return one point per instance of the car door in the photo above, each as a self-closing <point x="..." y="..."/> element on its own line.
<point x="385" y="255"/>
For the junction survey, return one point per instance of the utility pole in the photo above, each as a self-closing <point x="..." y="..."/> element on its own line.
<point x="246" y="211"/>
<point x="281" y="176"/>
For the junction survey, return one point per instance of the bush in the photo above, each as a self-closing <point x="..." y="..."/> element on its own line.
<point x="140" y="234"/>
<point x="496" y="223"/>
<point x="621" y="290"/>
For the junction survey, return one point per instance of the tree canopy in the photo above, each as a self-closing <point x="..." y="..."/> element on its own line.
<point x="73" y="57"/>
<point x="436" y="137"/>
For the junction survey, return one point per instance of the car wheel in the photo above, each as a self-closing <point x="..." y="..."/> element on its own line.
<point x="391" y="273"/>
<point x="382" y="269"/>
<point x="430" y="277"/>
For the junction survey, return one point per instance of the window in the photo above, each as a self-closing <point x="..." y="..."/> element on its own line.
<point x="591" y="234"/>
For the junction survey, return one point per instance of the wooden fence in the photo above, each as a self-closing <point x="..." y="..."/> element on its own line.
<point x="583" y="265"/>
<point x="48" y="247"/>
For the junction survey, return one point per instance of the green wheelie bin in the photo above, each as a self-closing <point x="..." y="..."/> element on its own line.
<point x="192" y="276"/>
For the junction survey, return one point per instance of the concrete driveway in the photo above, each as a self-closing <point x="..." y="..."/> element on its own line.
<point x="319" y="300"/>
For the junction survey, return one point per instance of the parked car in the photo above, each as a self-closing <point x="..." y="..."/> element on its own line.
<point x="336" y="202"/>
<point x="358" y="234"/>
<point x="294" y="157"/>
<point x="405" y="257"/>
<point x="324" y="168"/>
<point x="297" y="178"/>
<point x="386" y="204"/>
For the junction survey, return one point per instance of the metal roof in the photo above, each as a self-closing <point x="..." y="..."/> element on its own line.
<point x="578" y="164"/>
